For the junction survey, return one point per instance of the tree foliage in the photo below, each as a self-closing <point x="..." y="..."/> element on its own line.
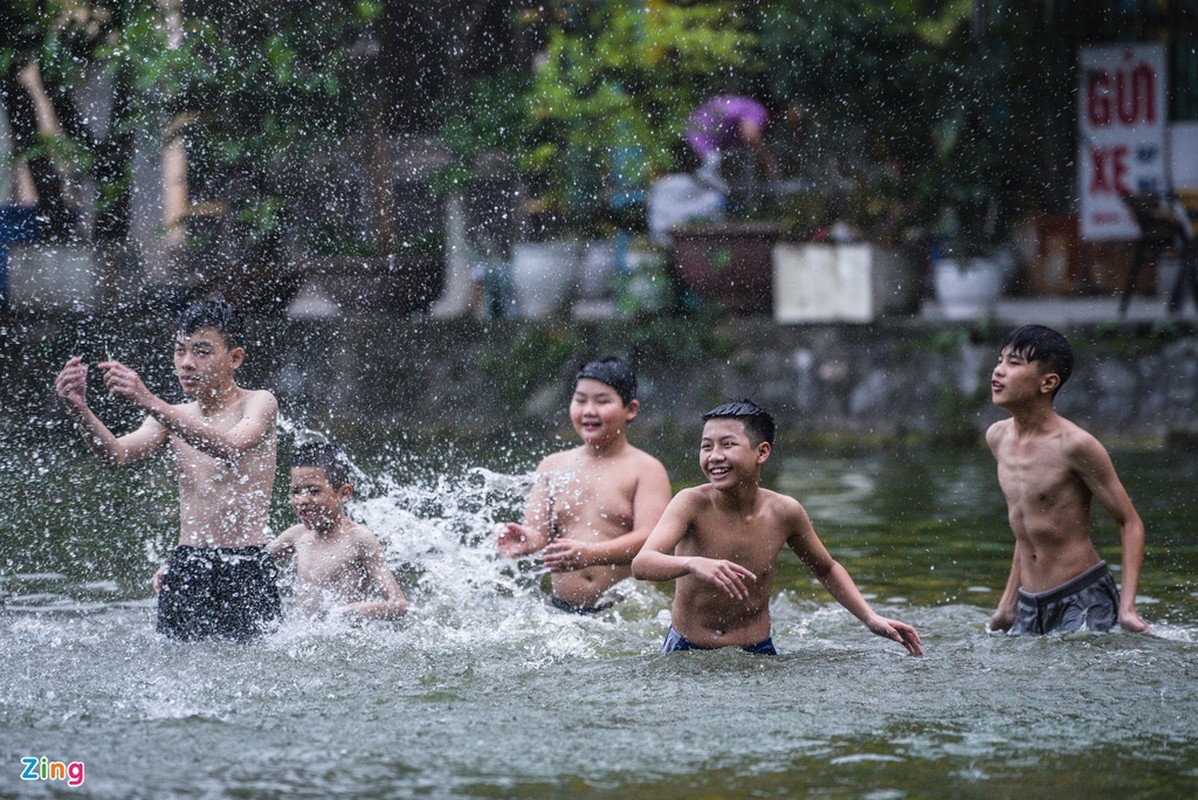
<point x="609" y="100"/>
<point x="247" y="84"/>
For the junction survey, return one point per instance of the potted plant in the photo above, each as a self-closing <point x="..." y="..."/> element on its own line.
<point x="606" y="105"/>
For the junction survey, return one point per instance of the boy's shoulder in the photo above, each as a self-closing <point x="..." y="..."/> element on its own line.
<point x="998" y="430"/>
<point x="1078" y="440"/>
<point x="363" y="538"/>
<point x="643" y="458"/>
<point x="560" y="459"/>
<point x="777" y="502"/>
<point x="294" y="532"/>
<point x="260" y="396"/>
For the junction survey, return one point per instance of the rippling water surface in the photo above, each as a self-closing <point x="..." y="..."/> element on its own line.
<point x="484" y="691"/>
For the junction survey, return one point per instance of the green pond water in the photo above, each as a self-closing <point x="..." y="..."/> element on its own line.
<point x="484" y="691"/>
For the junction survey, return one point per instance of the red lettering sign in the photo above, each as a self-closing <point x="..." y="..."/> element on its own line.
<point x="1108" y="170"/>
<point x="1129" y="94"/>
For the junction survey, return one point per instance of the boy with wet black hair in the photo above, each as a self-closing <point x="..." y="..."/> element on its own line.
<point x="219" y="581"/>
<point x="1050" y="471"/>
<point x="591" y="507"/>
<point x="720" y="542"/>
<point x="339" y="564"/>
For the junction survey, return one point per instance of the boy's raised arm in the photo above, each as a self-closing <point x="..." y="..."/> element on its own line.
<point x="112" y="450"/>
<point x="259" y="420"/>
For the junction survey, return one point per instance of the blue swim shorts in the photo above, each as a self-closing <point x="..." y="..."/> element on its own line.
<point x="675" y="641"/>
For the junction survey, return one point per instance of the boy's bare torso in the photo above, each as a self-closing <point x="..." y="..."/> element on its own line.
<point x="331" y="570"/>
<point x="591" y="499"/>
<point x="705" y="614"/>
<point x="224" y="503"/>
<point x="1048" y="503"/>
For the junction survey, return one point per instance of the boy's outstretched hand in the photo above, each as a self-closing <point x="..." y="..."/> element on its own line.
<point x="728" y="575"/>
<point x="71" y="383"/>
<point x="565" y="555"/>
<point x="124" y="382"/>
<point x="900" y="632"/>
<point x="512" y="541"/>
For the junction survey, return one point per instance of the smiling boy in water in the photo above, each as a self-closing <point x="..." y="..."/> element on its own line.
<point x="1050" y="471"/>
<point x="339" y="564"/>
<point x="219" y="580"/>
<point x="720" y="542"/>
<point x="591" y="507"/>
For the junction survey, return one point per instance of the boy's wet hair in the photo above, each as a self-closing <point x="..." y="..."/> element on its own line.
<point x="613" y="371"/>
<point x="326" y="457"/>
<point x="215" y="314"/>
<point x="759" y="423"/>
<point x="1036" y="343"/>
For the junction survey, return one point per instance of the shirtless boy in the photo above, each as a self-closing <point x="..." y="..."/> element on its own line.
<point x="592" y="506"/>
<point x="219" y="581"/>
<point x="339" y="564"/>
<point x="720" y="541"/>
<point x="1050" y="471"/>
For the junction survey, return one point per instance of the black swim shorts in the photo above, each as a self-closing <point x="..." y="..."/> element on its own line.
<point x="223" y="593"/>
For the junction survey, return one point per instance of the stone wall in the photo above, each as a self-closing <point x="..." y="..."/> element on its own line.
<point x="381" y="377"/>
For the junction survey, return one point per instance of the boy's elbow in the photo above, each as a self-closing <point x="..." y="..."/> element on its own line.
<point x="642" y="566"/>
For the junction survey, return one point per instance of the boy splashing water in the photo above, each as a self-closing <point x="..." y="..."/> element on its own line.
<point x="592" y="507"/>
<point x="339" y="564"/>
<point x="219" y="582"/>
<point x="720" y="542"/>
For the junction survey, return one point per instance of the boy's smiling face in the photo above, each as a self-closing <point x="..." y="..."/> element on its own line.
<point x="598" y="413"/>
<point x="317" y="503"/>
<point x="204" y="363"/>
<point x="728" y="456"/>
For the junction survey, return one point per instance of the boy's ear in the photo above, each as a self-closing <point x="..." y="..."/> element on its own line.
<point x="763" y="451"/>
<point x="345" y="492"/>
<point x="1049" y="382"/>
<point x="237" y="355"/>
<point x="631" y="409"/>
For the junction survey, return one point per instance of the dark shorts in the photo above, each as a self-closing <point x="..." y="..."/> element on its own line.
<point x="575" y="608"/>
<point x="675" y="641"/>
<point x="1089" y="602"/>
<point x="222" y="593"/>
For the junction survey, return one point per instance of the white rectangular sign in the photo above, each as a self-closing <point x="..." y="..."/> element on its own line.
<point x="1122" y="121"/>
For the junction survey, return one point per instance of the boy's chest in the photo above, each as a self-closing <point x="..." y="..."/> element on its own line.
<point x="746" y="544"/>
<point x="329" y="564"/>
<point x="1034" y="473"/>
<point x="607" y="497"/>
